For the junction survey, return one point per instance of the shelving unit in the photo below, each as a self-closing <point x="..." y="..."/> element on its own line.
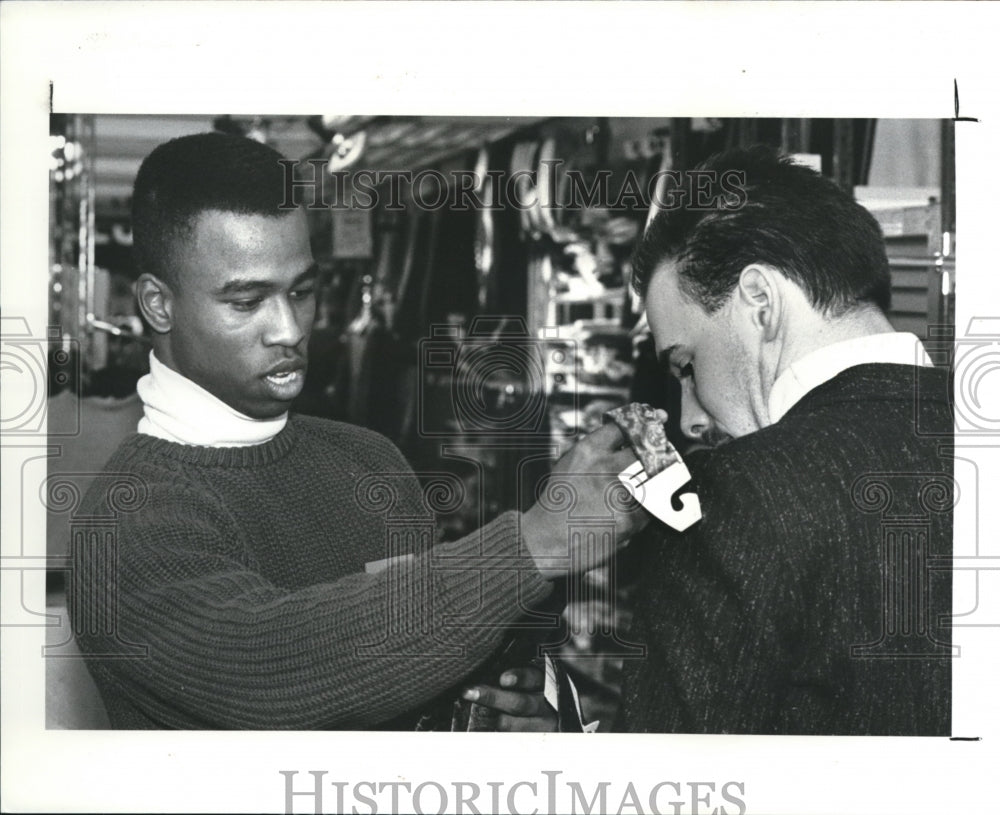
<point x="922" y="264"/>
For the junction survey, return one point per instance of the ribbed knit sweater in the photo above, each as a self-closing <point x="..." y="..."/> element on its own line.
<point x="238" y="598"/>
<point x="828" y="530"/>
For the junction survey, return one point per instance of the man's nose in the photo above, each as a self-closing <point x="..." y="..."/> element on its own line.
<point x="695" y="420"/>
<point x="284" y="325"/>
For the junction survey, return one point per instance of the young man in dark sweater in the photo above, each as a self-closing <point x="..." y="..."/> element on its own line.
<point x="252" y="569"/>
<point x="813" y="597"/>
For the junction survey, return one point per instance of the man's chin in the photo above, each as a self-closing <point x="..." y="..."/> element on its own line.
<point x="264" y="407"/>
<point x="268" y="413"/>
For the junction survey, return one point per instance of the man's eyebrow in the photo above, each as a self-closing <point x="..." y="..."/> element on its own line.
<point x="309" y="274"/>
<point x="242" y="285"/>
<point x="664" y="356"/>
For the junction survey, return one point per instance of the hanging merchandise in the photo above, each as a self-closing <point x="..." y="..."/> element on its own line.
<point x="484" y="241"/>
<point x="374" y="385"/>
<point x="72" y="274"/>
<point x="352" y="233"/>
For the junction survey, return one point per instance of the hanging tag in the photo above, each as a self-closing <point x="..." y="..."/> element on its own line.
<point x="660" y="472"/>
<point x="563" y="697"/>
<point x="656" y="494"/>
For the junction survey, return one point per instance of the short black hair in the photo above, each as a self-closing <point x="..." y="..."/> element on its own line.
<point x="785" y="215"/>
<point x="193" y="174"/>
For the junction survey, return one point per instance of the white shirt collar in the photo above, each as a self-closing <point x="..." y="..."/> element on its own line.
<point x="178" y="410"/>
<point x="825" y="363"/>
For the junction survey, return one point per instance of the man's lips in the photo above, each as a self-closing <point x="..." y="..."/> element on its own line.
<point x="285" y="380"/>
<point x="286" y="367"/>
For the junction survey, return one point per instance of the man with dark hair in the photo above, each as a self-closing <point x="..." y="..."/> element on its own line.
<point x="812" y="597"/>
<point x="268" y="570"/>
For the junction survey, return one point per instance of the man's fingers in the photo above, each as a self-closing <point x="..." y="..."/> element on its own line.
<point x="604" y="463"/>
<point x="514" y="703"/>
<point x="528" y="678"/>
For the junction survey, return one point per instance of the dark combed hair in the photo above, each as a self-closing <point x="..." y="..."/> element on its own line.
<point x="788" y="216"/>
<point x="193" y="174"/>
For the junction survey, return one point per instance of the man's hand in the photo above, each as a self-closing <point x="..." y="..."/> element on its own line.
<point x="583" y="483"/>
<point x="519" y="700"/>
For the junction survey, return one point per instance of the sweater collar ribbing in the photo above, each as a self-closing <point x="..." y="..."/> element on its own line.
<point x="248" y="456"/>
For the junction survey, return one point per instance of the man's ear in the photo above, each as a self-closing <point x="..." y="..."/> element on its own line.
<point x="156" y="302"/>
<point x="759" y="290"/>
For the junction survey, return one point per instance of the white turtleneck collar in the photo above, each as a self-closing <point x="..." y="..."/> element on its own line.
<point x="178" y="410"/>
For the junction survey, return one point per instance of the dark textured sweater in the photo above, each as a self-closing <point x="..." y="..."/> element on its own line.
<point x="811" y="598"/>
<point x="237" y="595"/>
